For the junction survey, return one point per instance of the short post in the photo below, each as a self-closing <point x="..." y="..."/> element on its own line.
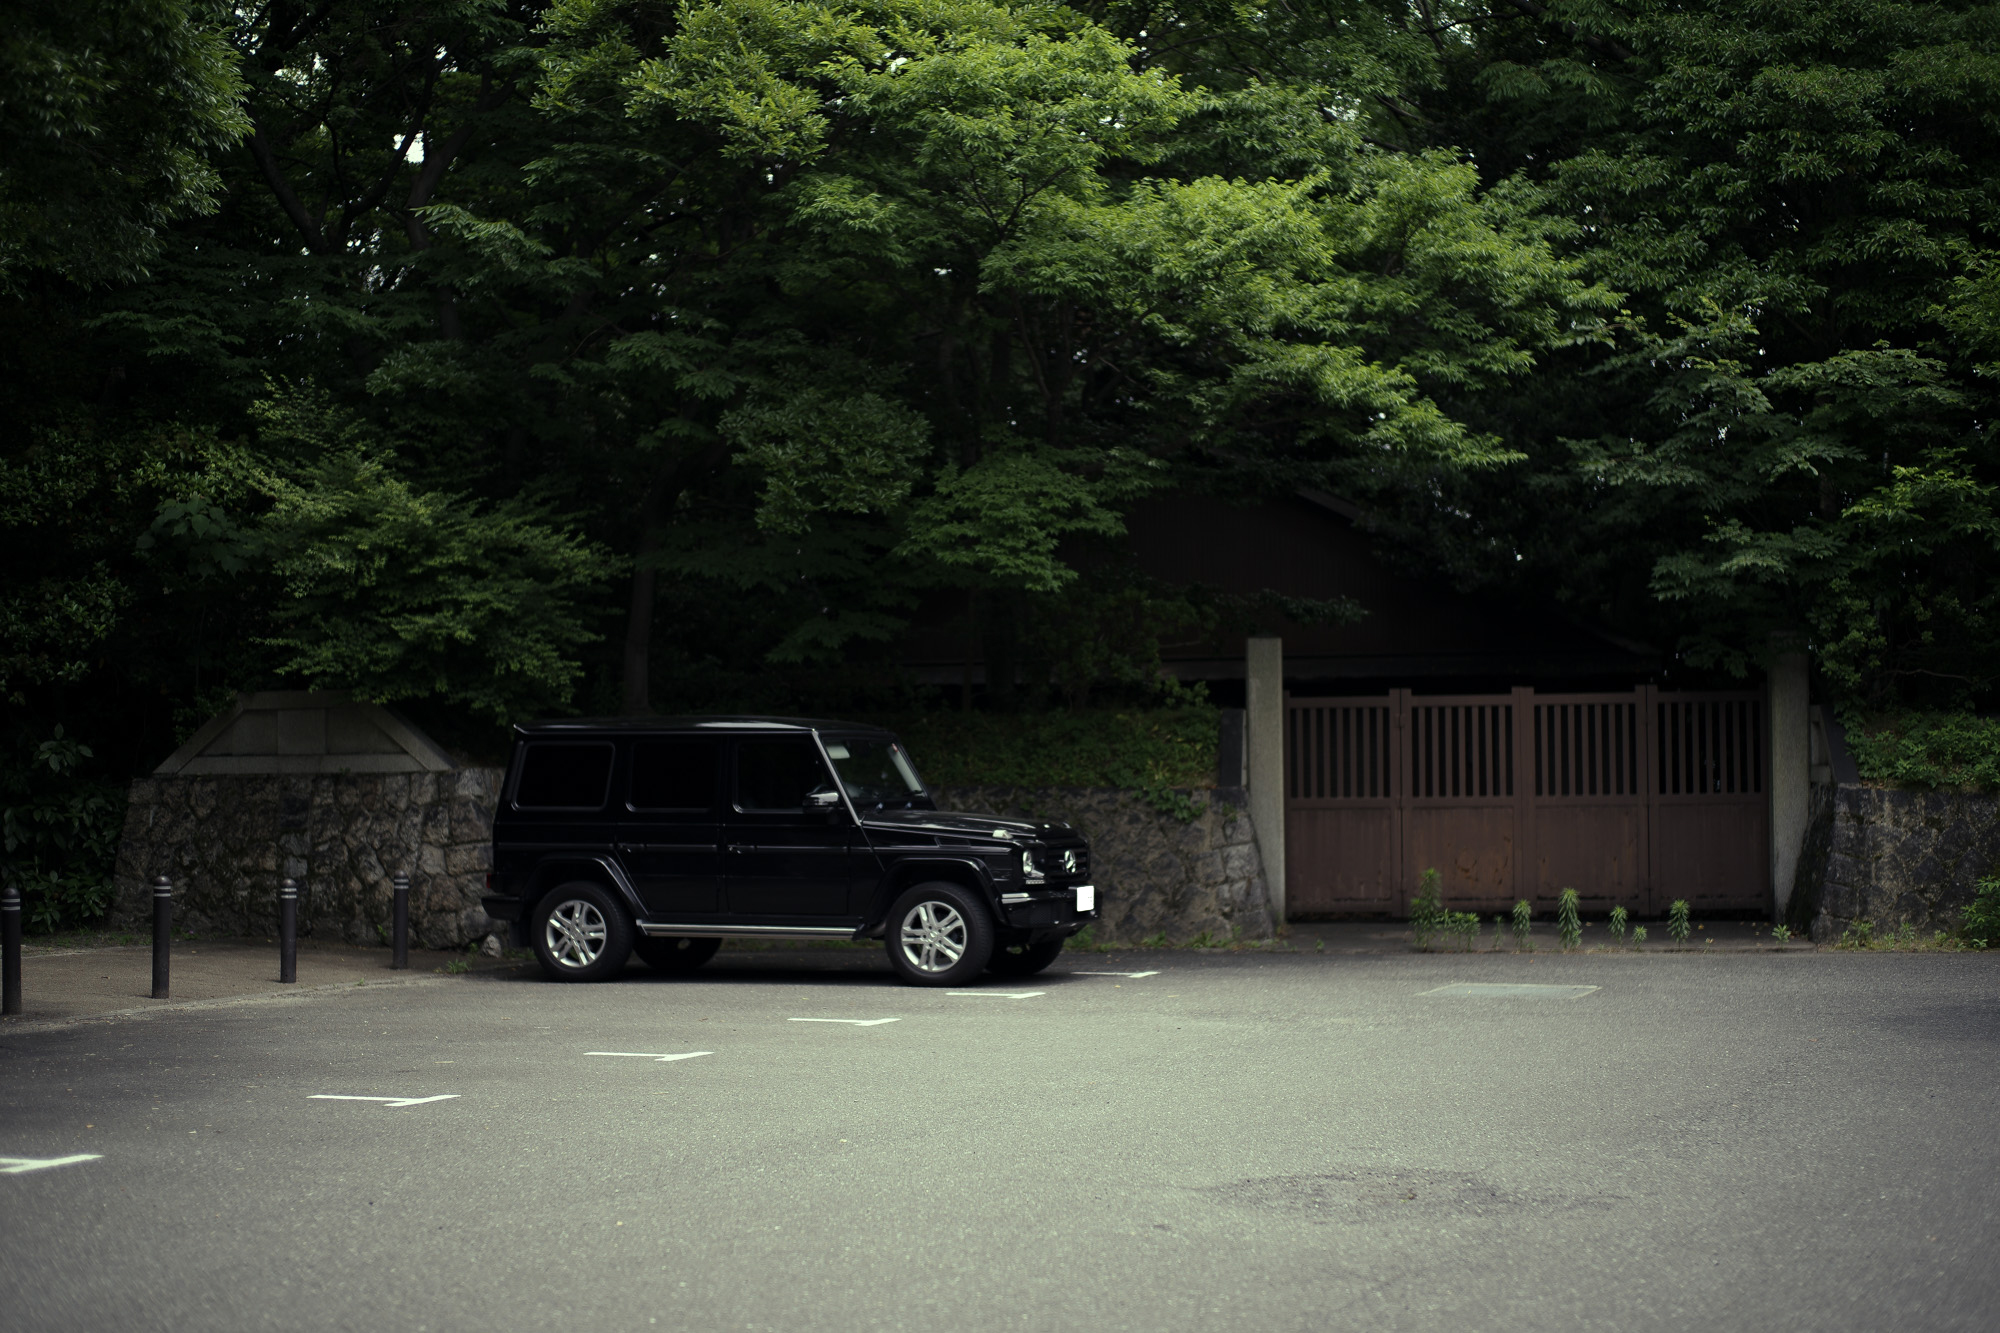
<point x="10" y="948"/>
<point x="163" y="933"/>
<point x="399" y="939"/>
<point x="288" y="930"/>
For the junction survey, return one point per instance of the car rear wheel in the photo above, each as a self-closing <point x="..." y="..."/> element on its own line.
<point x="675" y="954"/>
<point x="939" y="935"/>
<point x="1024" y="960"/>
<point x="581" y="933"/>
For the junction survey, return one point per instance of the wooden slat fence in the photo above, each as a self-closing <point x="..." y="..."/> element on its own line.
<point x="1632" y="799"/>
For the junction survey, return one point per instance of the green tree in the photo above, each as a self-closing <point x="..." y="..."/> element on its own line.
<point x="110" y="110"/>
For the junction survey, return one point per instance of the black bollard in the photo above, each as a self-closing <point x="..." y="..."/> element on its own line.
<point x="288" y="930"/>
<point x="163" y="933"/>
<point x="399" y="939"/>
<point x="10" y="949"/>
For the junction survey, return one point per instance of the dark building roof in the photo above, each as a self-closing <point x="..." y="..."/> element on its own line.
<point x="1309" y="546"/>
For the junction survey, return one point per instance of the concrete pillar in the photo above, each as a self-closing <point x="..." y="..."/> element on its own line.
<point x="1790" y="773"/>
<point x="1264" y="723"/>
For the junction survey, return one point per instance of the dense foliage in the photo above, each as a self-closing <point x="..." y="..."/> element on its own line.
<point x="1949" y="750"/>
<point x="508" y="356"/>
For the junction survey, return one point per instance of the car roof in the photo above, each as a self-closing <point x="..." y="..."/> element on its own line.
<point x="570" y="726"/>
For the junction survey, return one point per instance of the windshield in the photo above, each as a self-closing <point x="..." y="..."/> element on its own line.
<point x="876" y="772"/>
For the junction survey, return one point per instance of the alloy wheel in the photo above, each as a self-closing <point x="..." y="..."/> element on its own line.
<point x="934" y="936"/>
<point x="575" y="933"/>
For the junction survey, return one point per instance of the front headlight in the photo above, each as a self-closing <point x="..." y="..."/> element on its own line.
<point x="1031" y="872"/>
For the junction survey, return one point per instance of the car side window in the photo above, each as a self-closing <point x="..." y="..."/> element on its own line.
<point x="564" y="775"/>
<point x="775" y="776"/>
<point x="674" y="775"/>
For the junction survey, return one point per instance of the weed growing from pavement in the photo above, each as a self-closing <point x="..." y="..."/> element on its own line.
<point x="1523" y="914"/>
<point x="1620" y="926"/>
<point x="1427" y="909"/>
<point x="1677" y="921"/>
<point x="1903" y="939"/>
<point x="1499" y="930"/>
<point x="1568" y="924"/>
<point x="1638" y="936"/>
<point x="1154" y="941"/>
<point x="1781" y="933"/>
<point x="457" y="967"/>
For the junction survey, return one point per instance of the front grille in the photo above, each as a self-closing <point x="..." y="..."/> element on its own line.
<point x="1064" y="863"/>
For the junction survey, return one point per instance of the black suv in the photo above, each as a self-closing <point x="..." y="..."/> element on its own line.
<point x="666" y="836"/>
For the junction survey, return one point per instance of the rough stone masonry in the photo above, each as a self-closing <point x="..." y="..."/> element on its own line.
<point x="228" y="839"/>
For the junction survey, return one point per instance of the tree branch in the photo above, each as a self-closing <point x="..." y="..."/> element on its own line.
<point x="282" y="188"/>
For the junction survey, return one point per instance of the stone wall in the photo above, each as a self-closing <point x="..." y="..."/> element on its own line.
<point x="228" y="839"/>
<point x="1905" y="857"/>
<point x="1154" y="874"/>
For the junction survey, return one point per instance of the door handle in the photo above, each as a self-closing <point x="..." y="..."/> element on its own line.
<point x="739" y="848"/>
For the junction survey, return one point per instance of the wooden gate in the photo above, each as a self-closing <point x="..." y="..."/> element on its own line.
<point x="1631" y="799"/>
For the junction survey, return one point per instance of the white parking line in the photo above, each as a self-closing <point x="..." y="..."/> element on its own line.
<point x="1491" y="990"/>
<point x="857" y="1022"/>
<point x="999" y="994"/>
<point x="16" y="1166"/>
<point x="387" y="1102"/>
<point x="1115" y="974"/>
<point x="652" y="1055"/>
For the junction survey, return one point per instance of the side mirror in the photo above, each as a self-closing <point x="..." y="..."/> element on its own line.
<point x="828" y="801"/>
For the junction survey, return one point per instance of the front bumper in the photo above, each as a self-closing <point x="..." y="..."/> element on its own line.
<point x="1048" y="910"/>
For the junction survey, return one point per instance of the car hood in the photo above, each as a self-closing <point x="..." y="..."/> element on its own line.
<point x="976" y="826"/>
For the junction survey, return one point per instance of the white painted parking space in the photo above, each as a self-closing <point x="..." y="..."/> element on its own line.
<point x="1493" y="990"/>
<point x="653" y="1055"/>
<point x="853" y="1022"/>
<point x="1134" y="975"/>
<point x="18" y="1166"/>
<point x="998" y="994"/>
<point x="388" y="1103"/>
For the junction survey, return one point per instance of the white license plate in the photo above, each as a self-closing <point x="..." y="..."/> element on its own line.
<point x="1086" y="897"/>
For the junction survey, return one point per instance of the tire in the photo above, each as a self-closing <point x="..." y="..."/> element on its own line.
<point x="581" y="933"/>
<point x="939" y="935"/>
<point x="1024" y="960"/>
<point x="675" y="955"/>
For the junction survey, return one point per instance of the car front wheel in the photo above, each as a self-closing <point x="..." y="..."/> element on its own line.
<point x="581" y="933"/>
<point x="939" y="935"/>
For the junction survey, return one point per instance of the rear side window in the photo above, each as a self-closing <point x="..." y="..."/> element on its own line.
<point x="674" y="775"/>
<point x="776" y="775"/>
<point x="564" y="775"/>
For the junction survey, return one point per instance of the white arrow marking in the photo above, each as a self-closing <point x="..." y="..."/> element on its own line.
<point x="1117" y="974"/>
<point x="15" y="1166"/>
<point x="857" y="1022"/>
<point x="1000" y="994"/>
<point x="387" y="1102"/>
<point x="651" y="1055"/>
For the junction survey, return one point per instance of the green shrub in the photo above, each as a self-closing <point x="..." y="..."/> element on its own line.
<point x="1568" y="924"/>
<point x="1928" y="750"/>
<point x="1154" y="752"/>
<point x="1619" y="925"/>
<point x="61" y="832"/>
<point x="1980" y="927"/>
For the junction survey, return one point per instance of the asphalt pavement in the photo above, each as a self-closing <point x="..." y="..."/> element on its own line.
<point x="793" y="1140"/>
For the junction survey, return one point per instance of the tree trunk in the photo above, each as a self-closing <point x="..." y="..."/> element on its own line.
<point x="638" y="684"/>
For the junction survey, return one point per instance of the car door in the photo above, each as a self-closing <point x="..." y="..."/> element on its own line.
<point x="786" y="857"/>
<point x="671" y="837"/>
